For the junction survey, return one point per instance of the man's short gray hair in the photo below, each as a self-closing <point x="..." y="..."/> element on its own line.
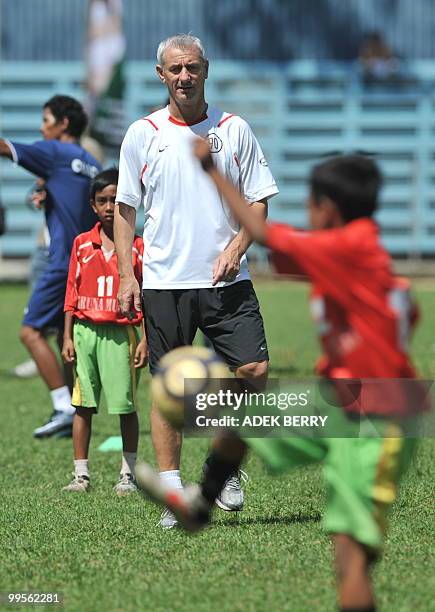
<point x="179" y="41"/>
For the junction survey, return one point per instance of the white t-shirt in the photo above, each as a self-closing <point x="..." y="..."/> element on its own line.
<point x="187" y="223"/>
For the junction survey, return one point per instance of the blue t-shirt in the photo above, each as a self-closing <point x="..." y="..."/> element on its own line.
<point x="67" y="170"/>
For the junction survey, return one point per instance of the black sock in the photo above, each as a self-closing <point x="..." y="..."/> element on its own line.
<point x="216" y="473"/>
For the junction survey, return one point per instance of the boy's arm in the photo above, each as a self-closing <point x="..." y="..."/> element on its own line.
<point x="71" y="295"/>
<point x="68" y="352"/>
<point x="227" y="265"/>
<point x="141" y="354"/>
<point x="129" y="290"/>
<point x="254" y="224"/>
<point x="317" y="254"/>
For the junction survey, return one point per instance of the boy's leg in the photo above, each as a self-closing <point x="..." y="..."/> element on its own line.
<point x="130" y="437"/>
<point x="129" y="432"/>
<point x="362" y="476"/>
<point x="225" y="458"/>
<point x="353" y="574"/>
<point x="82" y="428"/>
<point x="86" y="398"/>
<point x="116" y="347"/>
<point x="68" y="370"/>
<point x="192" y="506"/>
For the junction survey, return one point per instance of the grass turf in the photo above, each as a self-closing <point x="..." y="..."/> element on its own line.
<point x="102" y="552"/>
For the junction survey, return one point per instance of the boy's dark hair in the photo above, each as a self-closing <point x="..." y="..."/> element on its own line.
<point x="65" y="106"/>
<point x="352" y="182"/>
<point x="103" y="179"/>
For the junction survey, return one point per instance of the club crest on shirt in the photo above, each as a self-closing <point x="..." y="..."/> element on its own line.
<point x="215" y="142"/>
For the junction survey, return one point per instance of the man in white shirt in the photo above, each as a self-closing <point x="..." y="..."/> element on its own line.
<point x="195" y="273"/>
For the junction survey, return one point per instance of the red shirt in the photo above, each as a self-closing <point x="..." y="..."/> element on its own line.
<point x="93" y="281"/>
<point x="364" y="314"/>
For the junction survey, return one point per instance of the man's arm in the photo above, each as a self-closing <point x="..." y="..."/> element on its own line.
<point x="129" y="290"/>
<point x="227" y="265"/>
<point x="38" y="158"/>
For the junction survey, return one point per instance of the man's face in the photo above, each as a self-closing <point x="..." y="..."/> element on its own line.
<point x="184" y="72"/>
<point x="51" y="129"/>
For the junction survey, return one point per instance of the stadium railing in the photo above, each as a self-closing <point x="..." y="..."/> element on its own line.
<point x="299" y="111"/>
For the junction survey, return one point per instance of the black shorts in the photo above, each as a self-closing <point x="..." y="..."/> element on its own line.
<point x="228" y="316"/>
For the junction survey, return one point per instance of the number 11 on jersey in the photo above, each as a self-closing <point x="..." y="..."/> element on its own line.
<point x="105" y="286"/>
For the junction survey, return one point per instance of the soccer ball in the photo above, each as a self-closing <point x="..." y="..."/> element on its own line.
<point x="182" y="374"/>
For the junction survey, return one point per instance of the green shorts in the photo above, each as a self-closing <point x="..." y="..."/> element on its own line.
<point x="362" y="475"/>
<point x="105" y="362"/>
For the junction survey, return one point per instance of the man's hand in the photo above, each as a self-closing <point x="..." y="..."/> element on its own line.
<point x="201" y="150"/>
<point x="68" y="351"/>
<point x="227" y="265"/>
<point x="141" y="354"/>
<point x="129" y="296"/>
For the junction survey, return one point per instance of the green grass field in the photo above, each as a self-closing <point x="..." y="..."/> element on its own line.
<point x="105" y="553"/>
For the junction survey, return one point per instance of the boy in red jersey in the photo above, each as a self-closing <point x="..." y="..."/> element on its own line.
<point x="363" y="314"/>
<point x="104" y="344"/>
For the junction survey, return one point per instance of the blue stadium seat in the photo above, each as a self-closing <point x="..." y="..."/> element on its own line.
<point x="299" y="112"/>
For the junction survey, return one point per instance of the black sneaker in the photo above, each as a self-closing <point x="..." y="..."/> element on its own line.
<point x="59" y="423"/>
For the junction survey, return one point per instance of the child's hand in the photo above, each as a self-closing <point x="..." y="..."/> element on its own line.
<point x="201" y="150"/>
<point x="141" y="354"/>
<point x="68" y="352"/>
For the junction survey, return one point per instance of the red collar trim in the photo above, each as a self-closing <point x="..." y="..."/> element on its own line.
<point x="95" y="234"/>
<point x="184" y="124"/>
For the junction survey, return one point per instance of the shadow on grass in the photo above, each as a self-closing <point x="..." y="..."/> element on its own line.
<point x="269" y="520"/>
<point x="286" y="370"/>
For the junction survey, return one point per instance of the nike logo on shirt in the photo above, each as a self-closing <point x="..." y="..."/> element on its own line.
<point x="88" y="258"/>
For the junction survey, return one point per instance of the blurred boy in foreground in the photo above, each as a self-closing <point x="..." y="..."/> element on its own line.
<point x="364" y="315"/>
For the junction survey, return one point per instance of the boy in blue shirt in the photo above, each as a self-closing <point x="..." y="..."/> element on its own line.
<point x="67" y="170"/>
